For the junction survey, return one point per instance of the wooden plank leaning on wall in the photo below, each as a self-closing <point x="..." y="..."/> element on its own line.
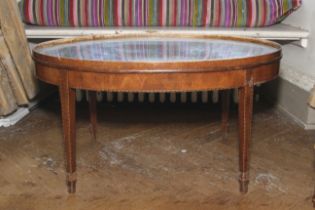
<point x="17" y="81"/>
<point x="7" y="99"/>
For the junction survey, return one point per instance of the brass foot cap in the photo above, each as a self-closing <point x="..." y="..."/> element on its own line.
<point x="71" y="187"/>
<point x="244" y="187"/>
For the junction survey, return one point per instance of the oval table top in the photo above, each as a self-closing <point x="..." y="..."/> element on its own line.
<point x="126" y="54"/>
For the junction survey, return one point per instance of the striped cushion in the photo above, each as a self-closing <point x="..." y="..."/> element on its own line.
<point x="213" y="13"/>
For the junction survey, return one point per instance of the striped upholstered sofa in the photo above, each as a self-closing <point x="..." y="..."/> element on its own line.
<point x="66" y="18"/>
<point x="147" y="13"/>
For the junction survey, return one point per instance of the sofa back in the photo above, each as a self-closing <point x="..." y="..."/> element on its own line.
<point x="208" y="13"/>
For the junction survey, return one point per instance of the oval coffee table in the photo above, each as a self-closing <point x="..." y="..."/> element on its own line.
<point x="151" y="63"/>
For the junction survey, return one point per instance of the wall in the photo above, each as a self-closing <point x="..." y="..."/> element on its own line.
<point x="298" y="64"/>
<point x="297" y="75"/>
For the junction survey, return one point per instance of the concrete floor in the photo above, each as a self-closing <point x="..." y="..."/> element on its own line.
<point x="153" y="157"/>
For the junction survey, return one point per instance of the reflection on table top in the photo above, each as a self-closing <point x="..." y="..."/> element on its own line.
<point x="157" y="50"/>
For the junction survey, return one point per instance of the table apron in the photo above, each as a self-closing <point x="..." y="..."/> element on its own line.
<point x="158" y="82"/>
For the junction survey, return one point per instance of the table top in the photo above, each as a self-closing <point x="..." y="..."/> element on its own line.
<point x="155" y="54"/>
<point x="157" y="50"/>
<point x="151" y="63"/>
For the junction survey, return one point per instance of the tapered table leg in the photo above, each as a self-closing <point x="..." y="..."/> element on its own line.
<point x="93" y="113"/>
<point x="67" y="98"/>
<point x="245" y="123"/>
<point x="313" y="199"/>
<point x="225" y="96"/>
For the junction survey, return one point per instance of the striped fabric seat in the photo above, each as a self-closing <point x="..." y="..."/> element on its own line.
<point x="207" y="13"/>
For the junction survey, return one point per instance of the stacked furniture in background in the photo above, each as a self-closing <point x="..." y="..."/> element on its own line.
<point x="17" y="80"/>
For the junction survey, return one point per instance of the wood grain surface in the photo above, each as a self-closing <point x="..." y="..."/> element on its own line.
<point x="16" y="84"/>
<point x="15" y="38"/>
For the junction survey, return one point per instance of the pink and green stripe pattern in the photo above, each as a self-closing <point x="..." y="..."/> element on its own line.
<point x="146" y="13"/>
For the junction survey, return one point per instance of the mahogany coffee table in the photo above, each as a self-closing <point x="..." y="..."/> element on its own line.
<point x="150" y="63"/>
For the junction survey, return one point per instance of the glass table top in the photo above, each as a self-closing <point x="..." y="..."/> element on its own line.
<point x="157" y="50"/>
